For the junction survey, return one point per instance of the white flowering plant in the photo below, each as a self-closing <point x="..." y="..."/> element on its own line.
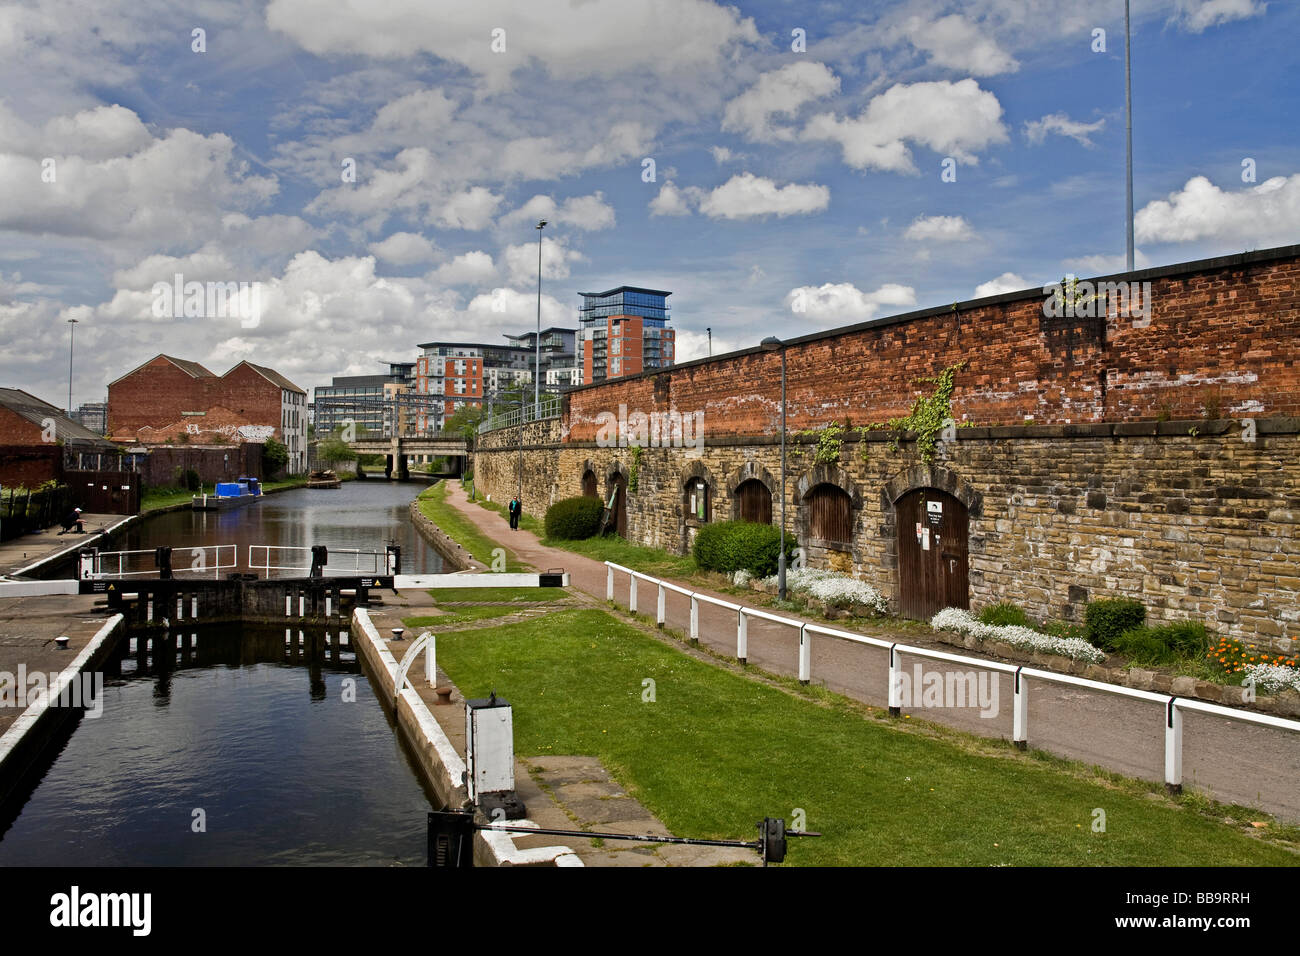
<point x="964" y="623"/>
<point x="741" y="578"/>
<point x="1272" y="678"/>
<point x="839" y="590"/>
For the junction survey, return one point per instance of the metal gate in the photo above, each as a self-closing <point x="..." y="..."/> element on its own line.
<point x="933" y="541"/>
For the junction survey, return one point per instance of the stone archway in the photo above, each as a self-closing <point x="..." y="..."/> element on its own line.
<point x="808" y="492"/>
<point x="697" y="491"/>
<point x="616" y="479"/>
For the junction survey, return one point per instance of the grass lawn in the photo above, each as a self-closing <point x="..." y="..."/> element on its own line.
<point x="433" y="505"/>
<point x="460" y="615"/>
<point x="717" y="751"/>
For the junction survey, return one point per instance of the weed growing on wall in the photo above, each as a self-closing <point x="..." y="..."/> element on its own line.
<point x="931" y="414"/>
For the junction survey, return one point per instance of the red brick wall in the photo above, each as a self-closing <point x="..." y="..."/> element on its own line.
<point x="28" y="465"/>
<point x="17" y="430"/>
<point x="1224" y="335"/>
<point x="155" y="395"/>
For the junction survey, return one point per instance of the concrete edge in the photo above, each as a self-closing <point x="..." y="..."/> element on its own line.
<point x="29" y="719"/>
<point x="448" y="548"/>
<point x="441" y="761"/>
<point x="60" y="556"/>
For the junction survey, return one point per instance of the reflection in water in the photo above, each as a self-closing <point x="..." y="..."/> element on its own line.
<point x="365" y="515"/>
<point x="274" y="735"/>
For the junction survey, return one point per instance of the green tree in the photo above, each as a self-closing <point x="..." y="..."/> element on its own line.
<point x="333" y="449"/>
<point x="274" y="457"/>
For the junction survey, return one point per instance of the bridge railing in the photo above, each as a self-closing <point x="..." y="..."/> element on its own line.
<point x="1172" y="707"/>
<point x="548" y="407"/>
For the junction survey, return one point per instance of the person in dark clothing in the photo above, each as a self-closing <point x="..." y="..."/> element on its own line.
<point x="516" y="509"/>
<point x="73" y="520"/>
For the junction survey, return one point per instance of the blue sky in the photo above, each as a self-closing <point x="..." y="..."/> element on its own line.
<point x="793" y="190"/>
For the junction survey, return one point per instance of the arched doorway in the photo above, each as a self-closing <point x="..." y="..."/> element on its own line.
<point x="618" y="488"/>
<point x="589" y="484"/>
<point x="933" y="546"/>
<point x="753" y="502"/>
<point x="830" y="516"/>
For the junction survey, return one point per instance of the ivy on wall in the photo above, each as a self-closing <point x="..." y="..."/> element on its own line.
<point x="929" y="416"/>
<point x="635" y="473"/>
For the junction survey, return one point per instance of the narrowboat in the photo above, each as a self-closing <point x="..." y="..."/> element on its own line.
<point x="229" y="494"/>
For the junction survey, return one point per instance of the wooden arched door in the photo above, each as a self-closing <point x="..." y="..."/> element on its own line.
<point x="589" y="484"/>
<point x="933" y="546"/>
<point x="753" y="502"/>
<point x="619" y="489"/>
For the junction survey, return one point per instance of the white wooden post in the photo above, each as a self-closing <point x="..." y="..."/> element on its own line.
<point x="895" y="691"/>
<point x="431" y="659"/>
<point x="1173" y="746"/>
<point x="805" y="656"/>
<point x="742" y="637"/>
<point x="1019" y="710"/>
<point x="659" y="611"/>
<point x="631" y="593"/>
<point x="695" y="619"/>
<point x="609" y="585"/>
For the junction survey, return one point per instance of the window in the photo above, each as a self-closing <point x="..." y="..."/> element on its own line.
<point x="697" y="499"/>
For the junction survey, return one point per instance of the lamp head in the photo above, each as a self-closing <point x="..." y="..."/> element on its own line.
<point x="771" y="343"/>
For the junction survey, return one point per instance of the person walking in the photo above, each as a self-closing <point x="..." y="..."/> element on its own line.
<point x="516" y="509"/>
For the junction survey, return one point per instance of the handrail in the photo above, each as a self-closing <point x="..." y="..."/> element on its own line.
<point x="1172" y="705"/>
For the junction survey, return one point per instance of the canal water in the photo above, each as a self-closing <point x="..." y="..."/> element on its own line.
<point x="237" y="746"/>
<point x="364" y="515"/>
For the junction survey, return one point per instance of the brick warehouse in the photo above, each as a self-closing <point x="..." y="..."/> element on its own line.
<point x="1147" y="454"/>
<point x="169" y="398"/>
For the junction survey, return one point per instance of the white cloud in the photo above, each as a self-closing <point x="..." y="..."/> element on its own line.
<point x="404" y="249"/>
<point x="567" y="38"/>
<point x="939" y="229"/>
<point x="581" y="212"/>
<point x="722" y="154"/>
<point x="844" y="302"/>
<point x="470" y="268"/>
<point x="1263" y="215"/>
<point x="1007" y="282"/>
<point x="746" y="196"/>
<point x="1101" y="264"/>
<point x="1059" y="123"/>
<point x="521" y="261"/>
<point x="129" y="187"/>
<point x="958" y="44"/>
<point x="671" y="201"/>
<point x="955" y="119"/>
<point x="507" y="308"/>
<point x="778" y="93"/>
<point x="1196" y="16"/>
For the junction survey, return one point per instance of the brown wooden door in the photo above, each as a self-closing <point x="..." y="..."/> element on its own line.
<point x="589" y="484"/>
<point x="933" y="541"/>
<point x="620" y="505"/>
<point x="754" y="502"/>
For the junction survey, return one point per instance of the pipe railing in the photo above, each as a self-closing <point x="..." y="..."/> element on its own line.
<point x="1172" y="705"/>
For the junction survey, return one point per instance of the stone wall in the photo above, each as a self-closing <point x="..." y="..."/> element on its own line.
<point x="1203" y="526"/>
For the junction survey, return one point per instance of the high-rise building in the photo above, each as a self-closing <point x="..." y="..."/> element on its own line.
<point x="558" y="355"/>
<point x="623" y="332"/>
<point x="455" y="374"/>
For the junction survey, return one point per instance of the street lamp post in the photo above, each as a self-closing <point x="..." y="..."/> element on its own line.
<point x="72" y="334"/>
<point x="769" y="343"/>
<point x="537" y="369"/>
<point x="709" y="333"/>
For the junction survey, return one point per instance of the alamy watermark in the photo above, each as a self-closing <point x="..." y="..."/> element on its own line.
<point x="84" y="690"/>
<point x="1075" y="298"/>
<point x="948" y="689"/>
<point x="208" y="300"/>
<point x="637" y="429"/>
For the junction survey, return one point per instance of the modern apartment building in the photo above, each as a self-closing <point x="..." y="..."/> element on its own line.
<point x="374" y="403"/>
<point x="450" y="375"/>
<point x="558" y="354"/>
<point x="624" y="331"/>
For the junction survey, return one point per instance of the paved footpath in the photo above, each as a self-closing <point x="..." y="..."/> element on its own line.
<point x="1229" y="760"/>
<point x="19" y="555"/>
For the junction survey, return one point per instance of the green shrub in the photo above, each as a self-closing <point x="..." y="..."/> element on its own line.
<point x="1004" y="613"/>
<point x="731" y="546"/>
<point x="573" y="519"/>
<point x="1164" y="644"/>
<point x="1065" y="629"/>
<point x="1108" y="619"/>
<point x="191" y="480"/>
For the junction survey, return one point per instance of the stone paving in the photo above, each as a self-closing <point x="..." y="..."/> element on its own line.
<point x="29" y="549"/>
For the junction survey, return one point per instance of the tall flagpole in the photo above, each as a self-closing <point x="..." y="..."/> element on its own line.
<point x="1128" y="125"/>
